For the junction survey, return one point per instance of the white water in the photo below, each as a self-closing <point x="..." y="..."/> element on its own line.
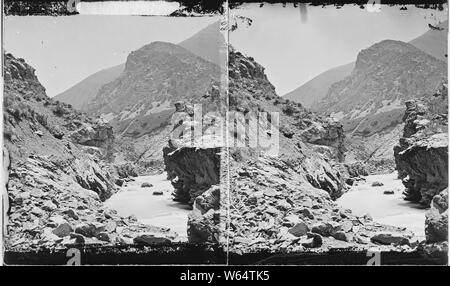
<point x="160" y="210"/>
<point x="387" y="209"/>
<point x="157" y="210"/>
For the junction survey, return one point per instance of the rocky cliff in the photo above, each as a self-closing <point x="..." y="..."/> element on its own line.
<point x="58" y="174"/>
<point x="421" y="158"/>
<point x="422" y="153"/>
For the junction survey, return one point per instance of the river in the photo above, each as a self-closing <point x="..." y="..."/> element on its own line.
<point x="387" y="209"/>
<point x="160" y="210"/>
<point x="157" y="210"/>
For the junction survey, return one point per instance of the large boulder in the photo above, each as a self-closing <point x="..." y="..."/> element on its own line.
<point x="99" y="134"/>
<point x="435" y="247"/>
<point x="436" y="222"/>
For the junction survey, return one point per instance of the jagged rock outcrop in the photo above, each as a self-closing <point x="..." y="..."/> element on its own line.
<point x="98" y="135"/>
<point x="57" y="178"/>
<point x="307" y="141"/>
<point x="192" y="157"/>
<point x="436" y="224"/>
<point x="435" y="246"/>
<point x="422" y="153"/>
<point x="192" y="171"/>
<point x="328" y="133"/>
<point x="204" y="220"/>
<point x="422" y="163"/>
<point x="193" y="164"/>
<point x="35" y="125"/>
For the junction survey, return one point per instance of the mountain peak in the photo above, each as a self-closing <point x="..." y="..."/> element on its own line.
<point x="146" y="55"/>
<point x="432" y="42"/>
<point x="155" y="76"/>
<point x="387" y="51"/>
<point x="205" y="44"/>
<point x="386" y="74"/>
<point x="158" y="46"/>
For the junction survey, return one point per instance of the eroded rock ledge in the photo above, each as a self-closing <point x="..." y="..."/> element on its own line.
<point x="191" y="170"/>
<point x="422" y="153"/>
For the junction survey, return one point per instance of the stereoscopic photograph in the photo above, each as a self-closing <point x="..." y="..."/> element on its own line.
<point x="224" y="133"/>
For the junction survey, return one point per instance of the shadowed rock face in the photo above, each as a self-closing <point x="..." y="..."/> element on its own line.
<point x="192" y="171"/>
<point x="422" y="154"/>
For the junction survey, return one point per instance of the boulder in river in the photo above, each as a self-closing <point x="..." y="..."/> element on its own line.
<point x="146" y="185"/>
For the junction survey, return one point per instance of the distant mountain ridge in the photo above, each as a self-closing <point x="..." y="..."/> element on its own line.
<point x="155" y="77"/>
<point x="386" y="74"/>
<point x="206" y="44"/>
<point x="433" y="42"/>
<point x="312" y="91"/>
<point x="81" y="93"/>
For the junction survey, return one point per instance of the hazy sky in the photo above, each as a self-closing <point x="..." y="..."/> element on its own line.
<point x="65" y="50"/>
<point x="294" y="52"/>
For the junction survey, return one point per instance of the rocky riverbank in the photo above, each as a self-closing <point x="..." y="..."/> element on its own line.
<point x="150" y="200"/>
<point x="381" y="197"/>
